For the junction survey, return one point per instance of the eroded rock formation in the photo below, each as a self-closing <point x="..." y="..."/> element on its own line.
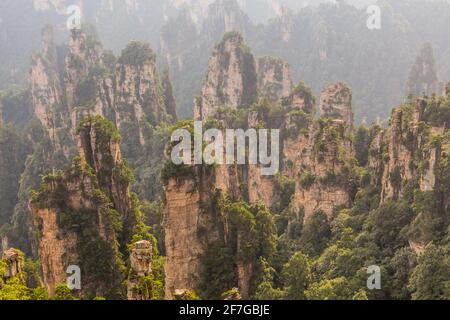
<point x="140" y="267"/>
<point x="274" y="79"/>
<point x="15" y="261"/>
<point x="231" y="78"/>
<point x="189" y="228"/>
<point x="84" y="214"/>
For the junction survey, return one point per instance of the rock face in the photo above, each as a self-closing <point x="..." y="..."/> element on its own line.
<point x="323" y="155"/>
<point x="78" y="215"/>
<point x="69" y="83"/>
<point x="169" y="98"/>
<point x="14" y="263"/>
<point x="139" y="96"/>
<point x="231" y="78"/>
<point x="375" y="159"/>
<point x="127" y="91"/>
<point x="335" y="103"/>
<point x="235" y="79"/>
<point x="320" y="152"/>
<point x="99" y="148"/>
<point x="141" y="266"/>
<point x="189" y="229"/>
<point x="423" y="76"/>
<point x="405" y="136"/>
<point x="274" y="80"/>
<point x="45" y="93"/>
<point x="187" y="38"/>
<point x="322" y="184"/>
<point x="300" y="98"/>
<point x="316" y="162"/>
<point x="414" y="156"/>
<point x="83" y="76"/>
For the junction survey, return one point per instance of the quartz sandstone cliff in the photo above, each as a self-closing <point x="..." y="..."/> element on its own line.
<point x="140" y="267"/>
<point x="83" y="215"/>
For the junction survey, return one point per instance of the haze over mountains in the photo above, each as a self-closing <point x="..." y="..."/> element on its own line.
<point x="322" y="40"/>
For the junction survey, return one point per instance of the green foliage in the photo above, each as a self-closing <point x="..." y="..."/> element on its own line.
<point x="218" y="275"/>
<point x="297" y="276"/>
<point x="149" y="287"/>
<point x="137" y="54"/>
<point x="430" y="280"/>
<point x="189" y="295"/>
<point x="252" y="222"/>
<point x="437" y="112"/>
<point x="362" y="144"/>
<point x="62" y="292"/>
<point x="153" y="215"/>
<point x="287" y="188"/>
<point x="335" y="289"/>
<point x="396" y="178"/>
<point x="86" y="92"/>
<point x="304" y="92"/>
<point x="254" y="237"/>
<point x="316" y="234"/>
<point x="307" y="180"/>
<point x="400" y="268"/>
<point x="265" y="289"/>
<point x="13" y="154"/>
<point x="15" y="289"/>
<point x="360" y="296"/>
<point x="105" y="129"/>
<point x="169" y="99"/>
<point x="385" y="225"/>
<point x="429" y="223"/>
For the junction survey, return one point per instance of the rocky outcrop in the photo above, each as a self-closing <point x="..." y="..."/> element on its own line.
<point x="82" y="69"/>
<point x="323" y="179"/>
<point x="429" y="179"/>
<point x="139" y="93"/>
<point x="300" y="98"/>
<point x="70" y="82"/>
<point x="423" y="75"/>
<point x="190" y="226"/>
<point x="46" y="94"/>
<point x="336" y="102"/>
<point x="376" y="153"/>
<point x="187" y="38"/>
<point x="169" y="97"/>
<point x="260" y="188"/>
<point x="231" y="78"/>
<point x="297" y="125"/>
<point x="82" y="215"/>
<point x="405" y="135"/>
<point x="140" y="267"/>
<point x="15" y="261"/>
<point x="325" y="157"/>
<point x="128" y="92"/>
<point x="57" y="250"/>
<point x="274" y="79"/>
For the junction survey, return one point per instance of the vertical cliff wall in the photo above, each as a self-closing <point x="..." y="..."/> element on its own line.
<point x="83" y="216"/>
<point x="327" y="160"/>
